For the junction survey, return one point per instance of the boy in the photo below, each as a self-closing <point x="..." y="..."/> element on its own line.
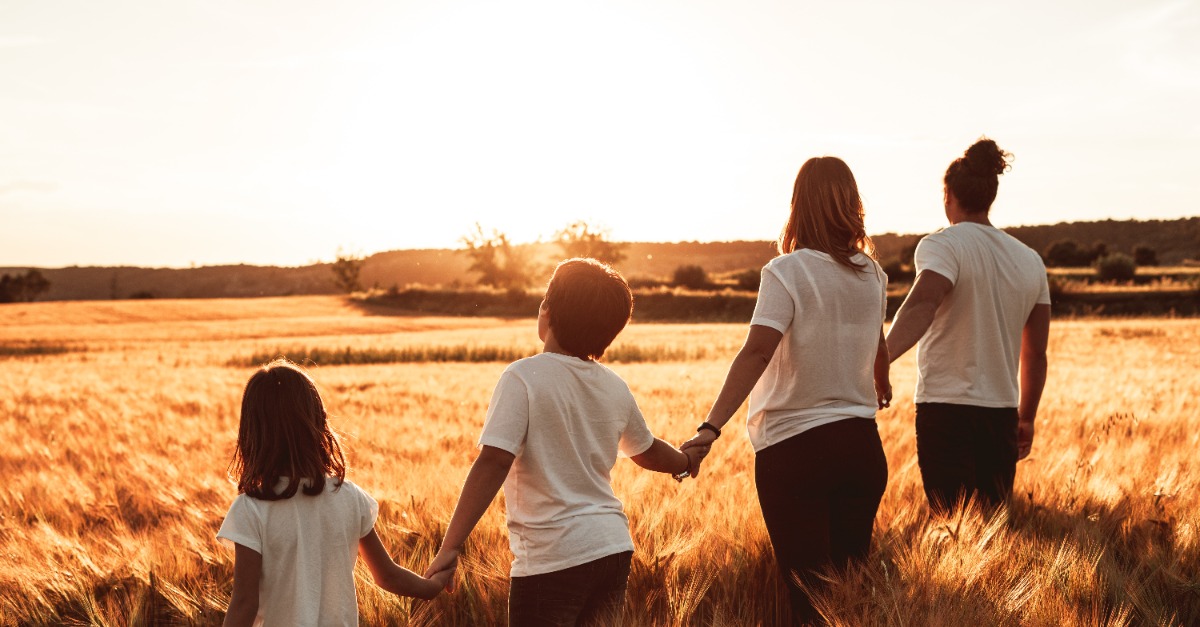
<point x="554" y="426"/>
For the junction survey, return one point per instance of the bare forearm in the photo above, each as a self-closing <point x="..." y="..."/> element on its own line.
<point x="662" y="457"/>
<point x="1033" y="382"/>
<point x="911" y="323"/>
<point x="242" y="611"/>
<point x="483" y="482"/>
<point x="743" y="374"/>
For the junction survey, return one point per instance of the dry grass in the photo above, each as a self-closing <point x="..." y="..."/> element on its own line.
<point x="114" y="475"/>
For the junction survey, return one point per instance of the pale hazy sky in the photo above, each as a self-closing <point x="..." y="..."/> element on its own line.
<point x="170" y="133"/>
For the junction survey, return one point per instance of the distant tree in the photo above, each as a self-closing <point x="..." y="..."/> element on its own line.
<point x="580" y="239"/>
<point x="1099" y="249"/>
<point x="498" y="262"/>
<point x="23" y="288"/>
<point x="1145" y="256"/>
<point x="690" y="276"/>
<point x="347" y="271"/>
<point x="1115" y="267"/>
<point x="1066" y="253"/>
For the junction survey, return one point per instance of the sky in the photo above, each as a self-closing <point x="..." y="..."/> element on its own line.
<point x="213" y="132"/>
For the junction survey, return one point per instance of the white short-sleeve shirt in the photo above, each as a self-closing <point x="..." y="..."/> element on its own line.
<point x="308" y="545"/>
<point x="565" y="419"/>
<point x="970" y="354"/>
<point x="830" y="316"/>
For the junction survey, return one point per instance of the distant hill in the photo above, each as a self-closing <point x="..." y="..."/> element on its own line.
<point x="1175" y="241"/>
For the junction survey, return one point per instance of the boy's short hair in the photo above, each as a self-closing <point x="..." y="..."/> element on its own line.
<point x="589" y="303"/>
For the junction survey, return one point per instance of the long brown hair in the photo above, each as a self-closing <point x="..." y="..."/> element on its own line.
<point x="827" y="213"/>
<point x="284" y="434"/>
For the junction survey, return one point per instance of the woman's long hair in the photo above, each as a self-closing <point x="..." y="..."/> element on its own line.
<point x="974" y="178"/>
<point x="827" y="213"/>
<point x="284" y="434"/>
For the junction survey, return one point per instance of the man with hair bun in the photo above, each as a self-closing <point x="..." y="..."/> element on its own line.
<point x="980" y="310"/>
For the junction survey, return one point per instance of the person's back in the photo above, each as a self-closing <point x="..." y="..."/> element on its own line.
<point x="970" y="353"/>
<point x="576" y="414"/>
<point x="823" y="372"/>
<point x="309" y="545"/>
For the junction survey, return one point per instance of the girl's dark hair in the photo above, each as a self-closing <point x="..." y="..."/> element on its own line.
<point x="589" y="303"/>
<point x="284" y="434"/>
<point x="827" y="213"/>
<point x="974" y="177"/>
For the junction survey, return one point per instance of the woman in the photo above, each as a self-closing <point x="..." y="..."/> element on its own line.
<point x="981" y="309"/>
<point x="815" y="367"/>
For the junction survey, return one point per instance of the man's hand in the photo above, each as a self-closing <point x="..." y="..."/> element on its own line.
<point x="1024" y="438"/>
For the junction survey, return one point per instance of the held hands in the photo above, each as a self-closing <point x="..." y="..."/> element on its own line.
<point x="442" y="569"/>
<point x="697" y="449"/>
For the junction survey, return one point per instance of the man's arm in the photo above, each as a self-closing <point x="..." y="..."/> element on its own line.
<point x="916" y="314"/>
<point x="483" y="482"/>
<point x="1034" y="339"/>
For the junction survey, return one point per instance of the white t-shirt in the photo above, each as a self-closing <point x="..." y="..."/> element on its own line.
<point x="308" y="545"/>
<point x="969" y="355"/>
<point x="564" y="419"/>
<point x="830" y="316"/>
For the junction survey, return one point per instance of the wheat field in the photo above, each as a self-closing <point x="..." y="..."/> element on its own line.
<point x="119" y="420"/>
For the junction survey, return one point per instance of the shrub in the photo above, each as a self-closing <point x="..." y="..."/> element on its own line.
<point x="693" y="277"/>
<point x="1116" y="267"/>
<point x="748" y="280"/>
<point x="1066" y="253"/>
<point x="1145" y="256"/>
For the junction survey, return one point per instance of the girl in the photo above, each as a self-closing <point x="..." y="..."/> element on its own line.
<point x="297" y="523"/>
<point x="816" y="368"/>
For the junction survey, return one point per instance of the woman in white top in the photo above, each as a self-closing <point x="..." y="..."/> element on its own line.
<point x="815" y="367"/>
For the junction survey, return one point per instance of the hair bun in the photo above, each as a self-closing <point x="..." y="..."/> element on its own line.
<point x="985" y="157"/>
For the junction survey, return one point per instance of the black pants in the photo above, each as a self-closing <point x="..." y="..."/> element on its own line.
<point x="966" y="452"/>
<point x="819" y="492"/>
<point x="588" y="594"/>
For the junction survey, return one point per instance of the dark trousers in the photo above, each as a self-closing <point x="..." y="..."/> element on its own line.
<point x="966" y="452"/>
<point x="592" y="593"/>
<point x="819" y="492"/>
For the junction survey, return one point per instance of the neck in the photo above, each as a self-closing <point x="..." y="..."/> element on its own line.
<point x="552" y="346"/>
<point x="977" y="218"/>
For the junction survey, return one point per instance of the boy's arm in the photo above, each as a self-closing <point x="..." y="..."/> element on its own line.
<point x="393" y="577"/>
<point x="483" y="482"/>
<point x="247" y="570"/>
<point x="662" y="457"/>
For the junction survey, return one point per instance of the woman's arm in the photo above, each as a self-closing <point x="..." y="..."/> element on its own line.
<point x="916" y="314"/>
<point x="395" y="578"/>
<point x="744" y="372"/>
<point x="483" y="482"/>
<point x="883" y="381"/>
<point x="247" y="570"/>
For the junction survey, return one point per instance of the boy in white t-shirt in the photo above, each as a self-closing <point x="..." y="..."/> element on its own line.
<point x="554" y="427"/>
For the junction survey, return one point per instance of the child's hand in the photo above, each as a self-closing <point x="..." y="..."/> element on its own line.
<point x="444" y="564"/>
<point x="444" y="578"/>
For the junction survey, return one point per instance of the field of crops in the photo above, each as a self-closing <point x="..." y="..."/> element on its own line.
<point x="119" y="420"/>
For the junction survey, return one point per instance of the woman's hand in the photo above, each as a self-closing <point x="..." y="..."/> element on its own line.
<point x="446" y="561"/>
<point x="883" y="392"/>
<point x="702" y="442"/>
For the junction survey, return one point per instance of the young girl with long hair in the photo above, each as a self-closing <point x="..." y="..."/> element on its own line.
<point x="297" y="524"/>
<point x="815" y="367"/>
